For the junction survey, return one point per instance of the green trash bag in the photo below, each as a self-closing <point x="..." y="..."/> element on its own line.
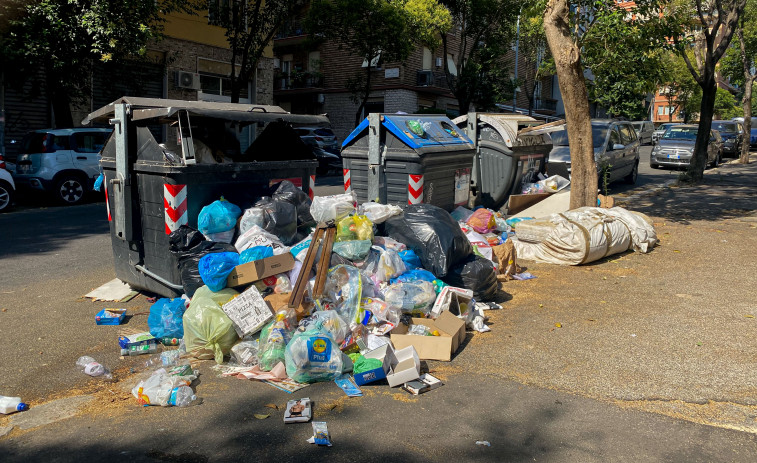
<point x="313" y="356"/>
<point x="208" y="331"/>
<point x="274" y="339"/>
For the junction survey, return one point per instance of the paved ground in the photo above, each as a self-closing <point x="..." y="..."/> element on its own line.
<point x="654" y="360"/>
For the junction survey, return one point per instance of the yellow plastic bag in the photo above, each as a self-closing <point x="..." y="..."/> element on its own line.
<point x="356" y="227"/>
<point x="208" y="331"/>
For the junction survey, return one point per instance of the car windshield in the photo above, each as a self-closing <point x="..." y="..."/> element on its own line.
<point x="664" y="127"/>
<point x="637" y="125"/>
<point x="681" y="133"/>
<point x="725" y="127"/>
<point x="598" y="133"/>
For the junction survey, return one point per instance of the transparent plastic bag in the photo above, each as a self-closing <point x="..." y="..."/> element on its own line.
<point x="482" y="220"/>
<point x="412" y="297"/>
<point x="218" y="216"/>
<point x="383" y="316"/>
<point x="245" y="353"/>
<point x="208" y="332"/>
<point x="353" y="250"/>
<point x="274" y="339"/>
<point x="356" y="227"/>
<point x="326" y="208"/>
<point x="379" y="213"/>
<point x="165" y="320"/>
<point x="329" y="321"/>
<point x="383" y="265"/>
<point x="346" y="287"/>
<point x="313" y="356"/>
<point x="252" y="216"/>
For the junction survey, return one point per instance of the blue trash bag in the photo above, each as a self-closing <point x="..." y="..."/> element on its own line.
<point x="414" y="275"/>
<point x="218" y="216"/>
<point x="215" y="268"/>
<point x="165" y="320"/>
<point x="99" y="182"/>
<point x="255" y="253"/>
<point x="411" y="259"/>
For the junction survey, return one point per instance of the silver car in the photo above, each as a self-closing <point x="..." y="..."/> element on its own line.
<point x="616" y="149"/>
<point x="61" y="162"/>
<point x="657" y="134"/>
<point x="644" y="130"/>
<point x="676" y="147"/>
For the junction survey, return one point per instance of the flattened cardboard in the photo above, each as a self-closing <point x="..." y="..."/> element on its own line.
<point x="451" y="335"/>
<point x="404" y="366"/>
<point x="257" y="270"/>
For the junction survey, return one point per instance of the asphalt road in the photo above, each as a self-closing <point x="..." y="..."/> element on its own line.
<point x="629" y="342"/>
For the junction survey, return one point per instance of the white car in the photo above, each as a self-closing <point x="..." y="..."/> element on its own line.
<point x="7" y="187"/>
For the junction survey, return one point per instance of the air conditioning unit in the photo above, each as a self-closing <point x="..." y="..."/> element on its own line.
<point x="424" y="78"/>
<point x="439" y="62"/>
<point x="190" y="80"/>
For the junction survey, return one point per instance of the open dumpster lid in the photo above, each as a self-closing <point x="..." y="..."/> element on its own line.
<point x="163" y="110"/>
<point x="437" y="130"/>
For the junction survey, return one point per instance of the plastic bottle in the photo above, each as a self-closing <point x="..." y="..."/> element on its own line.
<point x="10" y="405"/>
<point x="140" y="349"/>
<point x="90" y="367"/>
<point x="181" y="396"/>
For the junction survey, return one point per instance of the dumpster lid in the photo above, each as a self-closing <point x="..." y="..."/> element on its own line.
<point x="505" y="124"/>
<point x="158" y="108"/>
<point x="438" y="130"/>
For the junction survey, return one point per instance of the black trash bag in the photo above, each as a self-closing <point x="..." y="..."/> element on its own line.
<point x="286" y="191"/>
<point x="280" y="218"/>
<point x="477" y="274"/>
<point x="189" y="246"/>
<point x="433" y="234"/>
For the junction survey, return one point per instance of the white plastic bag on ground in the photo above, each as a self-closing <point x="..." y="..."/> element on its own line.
<point x="325" y="208"/>
<point x="378" y="213"/>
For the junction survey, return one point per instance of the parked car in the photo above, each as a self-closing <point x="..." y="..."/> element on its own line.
<point x="676" y="147"/>
<point x="657" y="134"/>
<point x="7" y="187"/>
<point x="616" y="147"/>
<point x="325" y="146"/>
<point x="61" y="162"/>
<point x="753" y="138"/>
<point x="644" y="130"/>
<point x="731" y="134"/>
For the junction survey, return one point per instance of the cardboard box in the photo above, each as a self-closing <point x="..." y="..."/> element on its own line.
<point x="425" y="383"/>
<point x="248" y="312"/>
<point x="110" y="316"/>
<point x="383" y="353"/>
<point x="451" y="335"/>
<point x="404" y="366"/>
<point x="257" y="270"/>
<point x="450" y="299"/>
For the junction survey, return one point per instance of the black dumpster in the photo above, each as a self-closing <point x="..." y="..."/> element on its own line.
<point x="507" y="157"/>
<point x="408" y="159"/>
<point x="153" y="189"/>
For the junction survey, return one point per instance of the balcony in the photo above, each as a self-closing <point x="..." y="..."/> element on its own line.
<point x="429" y="78"/>
<point x="292" y="28"/>
<point x="299" y="80"/>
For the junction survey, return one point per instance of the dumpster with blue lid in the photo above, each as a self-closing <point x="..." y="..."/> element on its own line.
<point x="408" y="159"/>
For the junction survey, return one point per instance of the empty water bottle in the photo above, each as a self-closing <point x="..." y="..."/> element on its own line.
<point x="181" y="396"/>
<point x="90" y="367"/>
<point x="11" y="405"/>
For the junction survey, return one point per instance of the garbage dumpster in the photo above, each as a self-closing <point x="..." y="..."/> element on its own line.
<point x="152" y="189"/>
<point x="507" y="158"/>
<point x="408" y="159"/>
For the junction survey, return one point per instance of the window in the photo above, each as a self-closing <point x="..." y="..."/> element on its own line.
<point x="61" y="142"/>
<point x="427" y="59"/>
<point x="627" y="134"/>
<point x="660" y="110"/>
<point x="90" y="142"/>
<point x="217" y="85"/>
<point x="451" y="64"/>
<point x="614" y="138"/>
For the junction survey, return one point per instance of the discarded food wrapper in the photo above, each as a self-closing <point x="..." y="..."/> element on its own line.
<point x="484" y="443"/>
<point x="425" y="383"/>
<point x="298" y="411"/>
<point x="320" y="434"/>
<point x="523" y="276"/>
<point x="348" y="386"/>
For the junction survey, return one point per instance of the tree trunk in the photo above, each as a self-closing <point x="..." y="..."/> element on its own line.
<point x="706" y="111"/>
<point x="61" y="108"/>
<point x="364" y="96"/>
<point x="570" y="77"/>
<point x="747" y="104"/>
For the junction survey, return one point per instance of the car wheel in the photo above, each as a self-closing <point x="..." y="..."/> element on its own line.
<point x="631" y="178"/>
<point x="69" y="190"/>
<point x="654" y="166"/>
<point x="6" y="196"/>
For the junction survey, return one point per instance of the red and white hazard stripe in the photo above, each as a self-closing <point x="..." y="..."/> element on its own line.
<point x="347" y="180"/>
<point x="107" y="205"/>
<point x="311" y="190"/>
<point x="175" y="205"/>
<point x="414" y="189"/>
